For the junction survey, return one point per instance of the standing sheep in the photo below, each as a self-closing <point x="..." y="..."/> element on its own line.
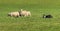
<point x="25" y="13"/>
<point x="15" y="14"/>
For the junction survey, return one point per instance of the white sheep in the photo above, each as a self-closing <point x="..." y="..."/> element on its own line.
<point x="15" y="14"/>
<point x="25" y="13"/>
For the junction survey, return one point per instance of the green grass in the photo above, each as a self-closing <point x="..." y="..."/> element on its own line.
<point x="33" y="23"/>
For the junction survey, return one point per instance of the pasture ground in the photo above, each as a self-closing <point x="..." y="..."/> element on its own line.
<point x="33" y="23"/>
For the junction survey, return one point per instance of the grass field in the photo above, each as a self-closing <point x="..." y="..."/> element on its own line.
<point x="33" y="23"/>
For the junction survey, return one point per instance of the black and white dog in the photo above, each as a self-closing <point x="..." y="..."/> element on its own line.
<point x="47" y="16"/>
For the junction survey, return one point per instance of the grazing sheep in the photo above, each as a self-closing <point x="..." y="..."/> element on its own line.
<point x="47" y="16"/>
<point x="25" y="13"/>
<point x="15" y="14"/>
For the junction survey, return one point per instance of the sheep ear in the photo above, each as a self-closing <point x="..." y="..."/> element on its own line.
<point x="21" y="9"/>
